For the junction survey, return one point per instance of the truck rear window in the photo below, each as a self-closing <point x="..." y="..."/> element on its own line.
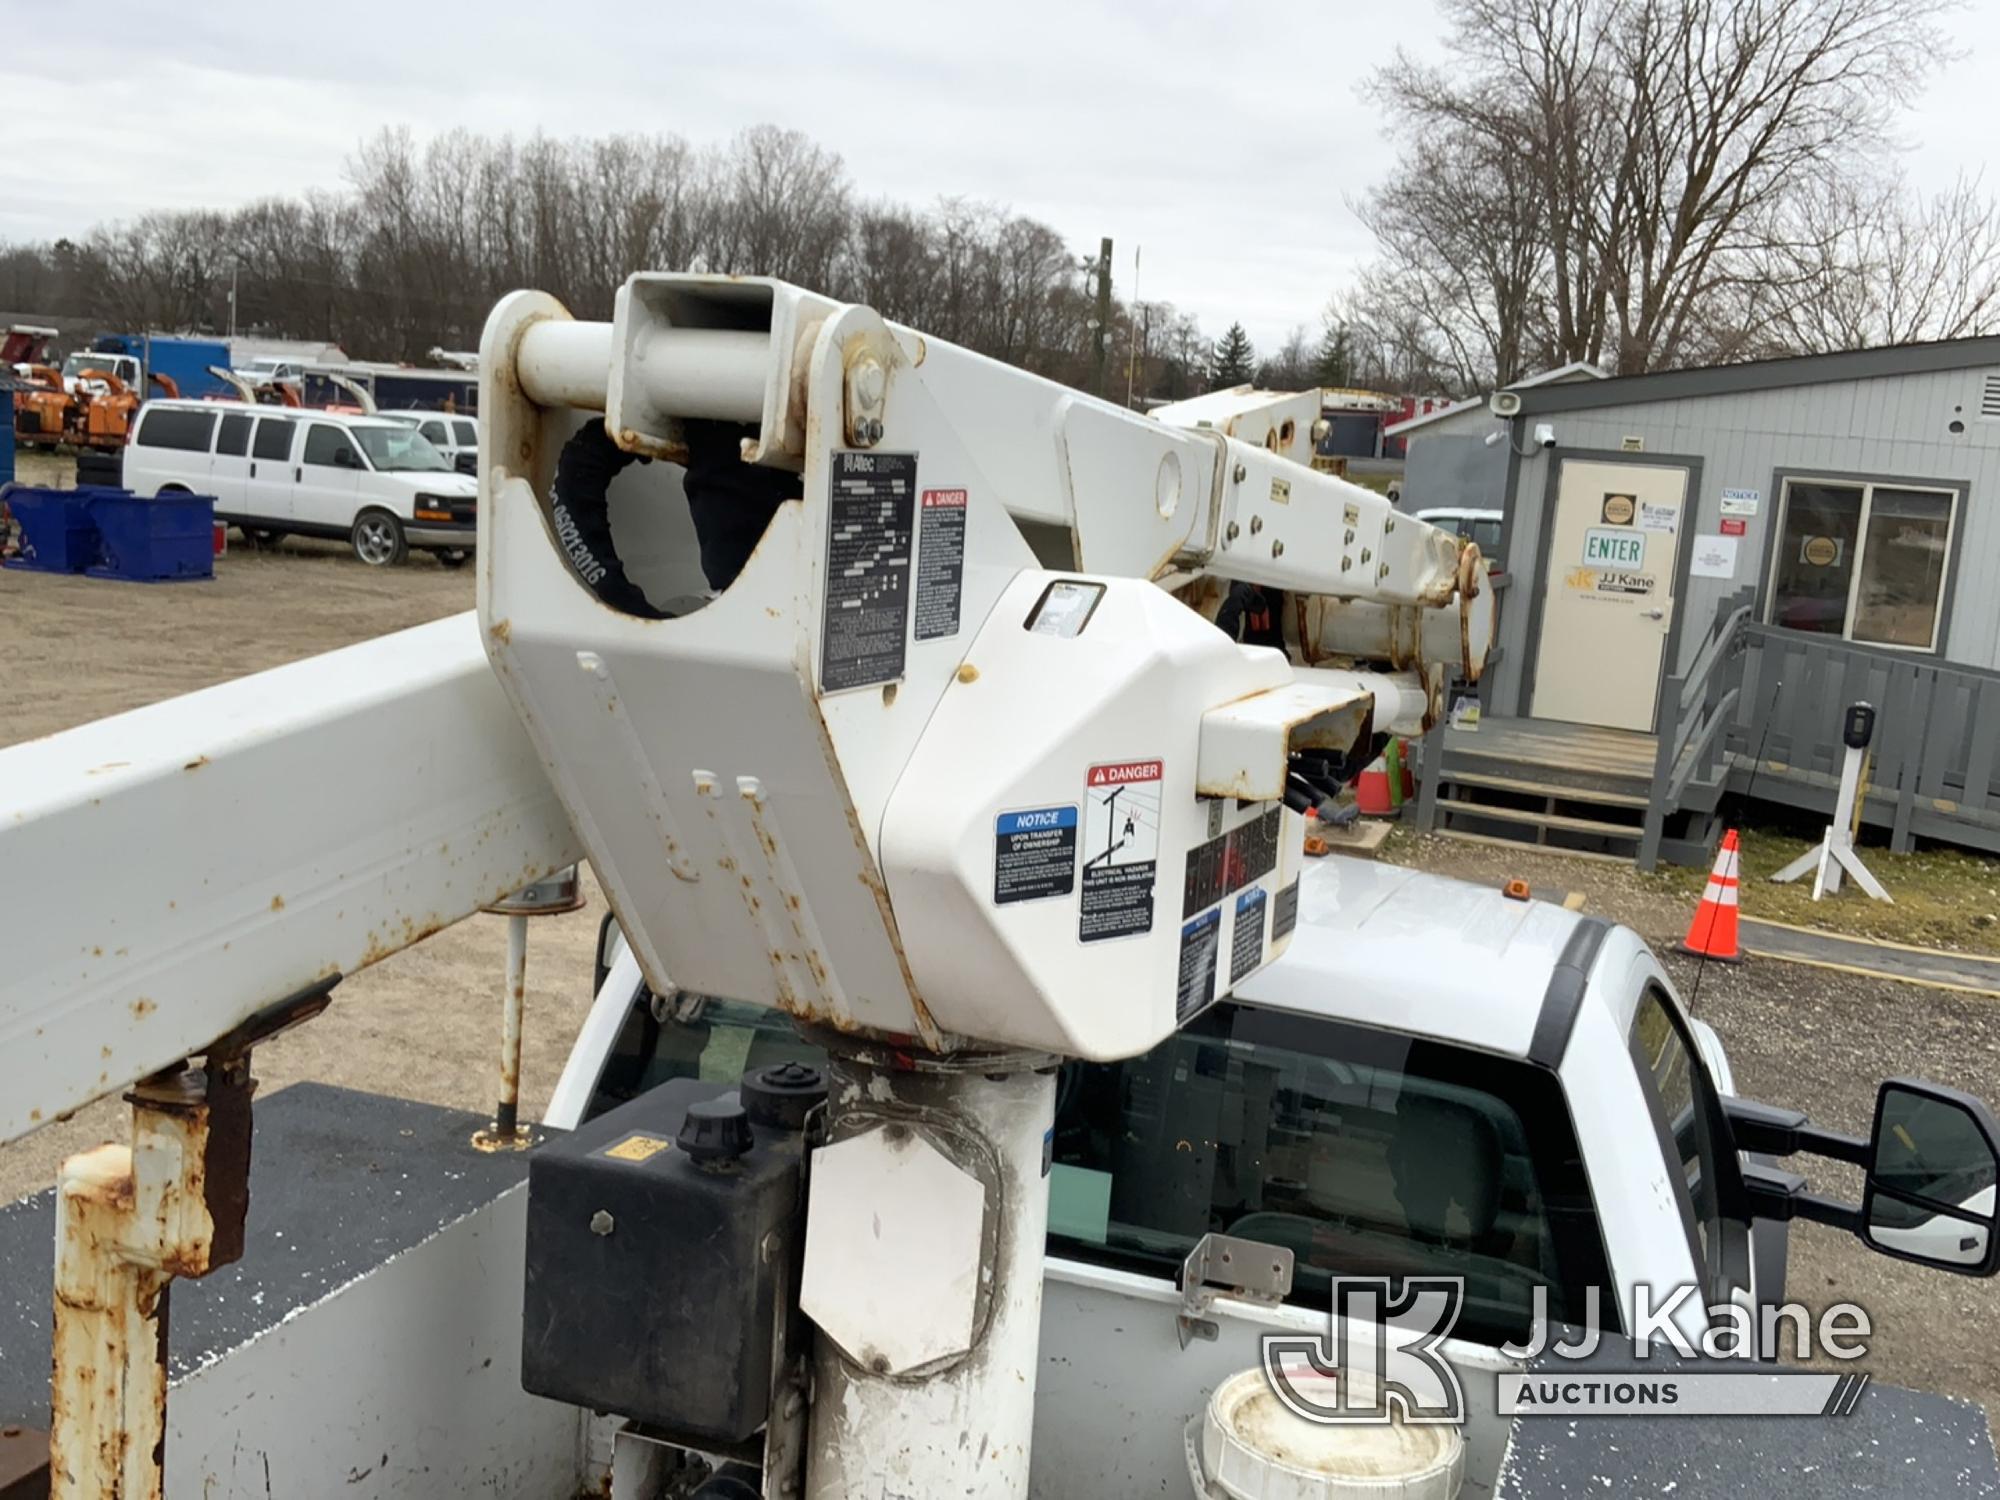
<point x="1364" y="1152"/>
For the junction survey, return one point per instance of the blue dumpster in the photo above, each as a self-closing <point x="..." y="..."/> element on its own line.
<point x="57" y="535"/>
<point x="158" y="539"/>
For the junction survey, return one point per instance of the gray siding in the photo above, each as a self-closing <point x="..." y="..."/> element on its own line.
<point x="1894" y="427"/>
<point x="1448" y="470"/>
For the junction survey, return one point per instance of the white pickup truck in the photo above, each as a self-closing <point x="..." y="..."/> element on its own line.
<point x="1437" y="1079"/>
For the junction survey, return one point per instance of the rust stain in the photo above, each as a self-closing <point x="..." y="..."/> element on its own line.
<point x="143" y="1007"/>
<point x="502" y="631"/>
<point x="277" y="903"/>
<point x="196" y="764"/>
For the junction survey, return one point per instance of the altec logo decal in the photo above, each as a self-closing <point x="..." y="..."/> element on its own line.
<point x="1126" y="772"/>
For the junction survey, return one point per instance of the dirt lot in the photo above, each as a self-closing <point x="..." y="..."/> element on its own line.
<point x="424" y="1024"/>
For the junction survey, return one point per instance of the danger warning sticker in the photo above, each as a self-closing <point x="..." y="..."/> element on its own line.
<point x="1121" y="848"/>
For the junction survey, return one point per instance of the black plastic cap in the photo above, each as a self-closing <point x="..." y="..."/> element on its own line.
<point x="781" y="1096"/>
<point x="716" y="1131"/>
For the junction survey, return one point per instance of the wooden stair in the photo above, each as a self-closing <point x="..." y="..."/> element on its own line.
<point x="1564" y="788"/>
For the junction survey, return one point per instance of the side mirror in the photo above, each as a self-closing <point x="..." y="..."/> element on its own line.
<point x="1934" y="1159"/>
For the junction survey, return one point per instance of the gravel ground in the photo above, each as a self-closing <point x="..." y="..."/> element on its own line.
<point x="424" y="1024"/>
<point x="1821" y="1041"/>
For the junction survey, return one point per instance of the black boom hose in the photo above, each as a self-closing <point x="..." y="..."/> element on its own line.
<point x="731" y="503"/>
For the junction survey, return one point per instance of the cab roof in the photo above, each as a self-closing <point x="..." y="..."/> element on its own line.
<point x="1381" y="945"/>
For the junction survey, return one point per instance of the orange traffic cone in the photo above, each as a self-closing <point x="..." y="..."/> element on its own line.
<point x="1712" y="933"/>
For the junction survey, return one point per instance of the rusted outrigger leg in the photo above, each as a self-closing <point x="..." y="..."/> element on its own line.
<point x="129" y="1219"/>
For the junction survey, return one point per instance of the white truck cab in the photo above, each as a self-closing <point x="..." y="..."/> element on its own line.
<point x="376" y="484"/>
<point x="1436" y="1080"/>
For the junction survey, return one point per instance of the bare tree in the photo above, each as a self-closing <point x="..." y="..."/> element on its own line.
<point x="1593" y="179"/>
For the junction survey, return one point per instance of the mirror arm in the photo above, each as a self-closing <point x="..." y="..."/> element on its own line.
<point x="1772" y="1131"/>
<point x="1773" y="1193"/>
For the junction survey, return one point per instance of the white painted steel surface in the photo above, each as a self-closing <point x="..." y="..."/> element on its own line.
<point x="167" y="872"/>
<point x="769" y="831"/>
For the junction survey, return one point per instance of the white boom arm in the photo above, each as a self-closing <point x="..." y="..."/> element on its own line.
<point x="800" y="793"/>
<point x="167" y="872"/>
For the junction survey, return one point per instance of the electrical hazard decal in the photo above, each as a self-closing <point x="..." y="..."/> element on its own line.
<point x="1034" y="854"/>
<point x="940" y="563"/>
<point x="1121" y="848"/>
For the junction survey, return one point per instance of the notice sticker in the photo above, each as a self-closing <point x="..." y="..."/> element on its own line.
<point x="1659" y="517"/>
<point x="1201" y="945"/>
<point x="1034" y="854"/>
<point x="1734" y="526"/>
<point x="1714" y="557"/>
<point x="1246" y="942"/>
<point x="940" y="563"/>
<point x="1121" y="848"/>
<point x="1741" y="502"/>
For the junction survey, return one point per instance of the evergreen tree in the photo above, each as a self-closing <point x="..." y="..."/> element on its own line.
<point x="1334" y="365"/>
<point x="1232" y="360"/>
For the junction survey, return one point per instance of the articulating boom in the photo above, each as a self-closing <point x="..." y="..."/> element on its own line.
<point x="939" y="760"/>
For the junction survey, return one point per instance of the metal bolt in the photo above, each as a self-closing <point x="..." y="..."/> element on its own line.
<point x="1233" y="532"/>
<point x="870" y="381"/>
<point x="1277" y="548"/>
<point x="1242" y="473"/>
<point x="1383" y="571"/>
<point x="1256" y="524"/>
<point x="1366" y="557"/>
<point x="602" y="1222"/>
<point x="1346" y="563"/>
<point x="1349" y="538"/>
<point x="867" y="432"/>
<point x="1388" y="525"/>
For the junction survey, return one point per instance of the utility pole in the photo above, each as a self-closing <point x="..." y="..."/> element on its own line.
<point x="1103" y="314"/>
<point x="233" y="268"/>
<point x="1138" y="312"/>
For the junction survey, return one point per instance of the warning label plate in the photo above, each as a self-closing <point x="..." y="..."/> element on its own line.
<point x="940" y="563"/>
<point x="1201" y="946"/>
<point x="1246" y="942"/>
<point x="1034" y="854"/>
<point x="1285" y="913"/>
<point x="1121" y="848"/>
<point x="868" y="520"/>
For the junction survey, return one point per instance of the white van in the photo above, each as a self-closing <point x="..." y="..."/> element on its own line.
<point x="276" y="471"/>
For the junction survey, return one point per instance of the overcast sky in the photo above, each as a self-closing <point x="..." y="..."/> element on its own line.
<point x="1224" y="140"/>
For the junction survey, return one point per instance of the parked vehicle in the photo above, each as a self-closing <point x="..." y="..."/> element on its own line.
<point x="165" y="357"/>
<point x="456" y="437"/>
<point x="1436" y="1080"/>
<point x="273" y="473"/>
<point x="1482" y="527"/>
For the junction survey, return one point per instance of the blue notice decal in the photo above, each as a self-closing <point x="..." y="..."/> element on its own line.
<point x="1036" y="819"/>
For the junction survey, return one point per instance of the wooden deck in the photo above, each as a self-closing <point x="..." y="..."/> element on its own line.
<point x="1566" y="788"/>
<point x="1568" y="755"/>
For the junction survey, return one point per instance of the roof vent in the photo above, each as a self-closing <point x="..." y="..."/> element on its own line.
<point x="1989" y="398"/>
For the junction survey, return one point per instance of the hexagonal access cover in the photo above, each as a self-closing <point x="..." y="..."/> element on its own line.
<point x="893" y="1234"/>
